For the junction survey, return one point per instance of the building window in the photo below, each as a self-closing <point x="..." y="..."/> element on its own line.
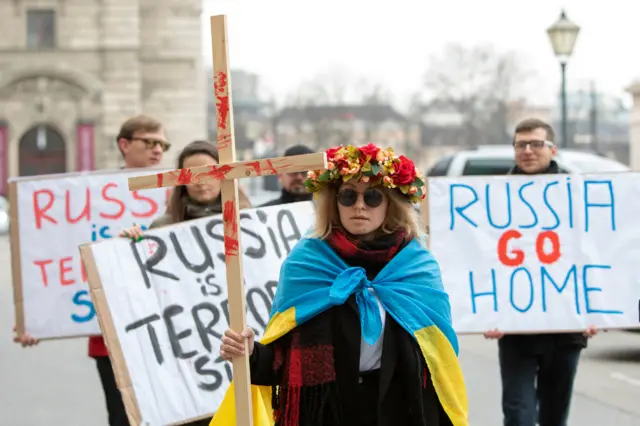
<point x="41" y="29"/>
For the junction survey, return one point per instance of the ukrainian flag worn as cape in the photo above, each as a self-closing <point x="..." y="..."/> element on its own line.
<point x="313" y="278"/>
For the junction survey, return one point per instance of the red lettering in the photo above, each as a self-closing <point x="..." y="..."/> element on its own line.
<point x="40" y="212"/>
<point x="548" y="258"/>
<point x="43" y="271"/>
<point x="86" y="211"/>
<point x="517" y="255"/>
<point x="106" y="197"/>
<point x="153" y="206"/>
<point x="63" y="271"/>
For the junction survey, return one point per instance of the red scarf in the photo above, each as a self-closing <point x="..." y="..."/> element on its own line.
<point x="305" y="358"/>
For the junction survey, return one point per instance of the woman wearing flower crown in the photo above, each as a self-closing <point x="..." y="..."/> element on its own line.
<point x="360" y="330"/>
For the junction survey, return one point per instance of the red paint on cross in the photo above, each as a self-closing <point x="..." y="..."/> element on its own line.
<point x="224" y="140"/>
<point x="159" y="180"/>
<point x="271" y="168"/>
<point x="222" y="98"/>
<point x="255" y="165"/>
<point x="185" y="177"/>
<point x="220" y="172"/>
<point x="231" y="245"/>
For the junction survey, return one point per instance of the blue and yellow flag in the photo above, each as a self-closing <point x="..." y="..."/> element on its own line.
<point x="313" y="278"/>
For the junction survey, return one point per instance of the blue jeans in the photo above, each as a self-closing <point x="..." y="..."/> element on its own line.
<point x="537" y="380"/>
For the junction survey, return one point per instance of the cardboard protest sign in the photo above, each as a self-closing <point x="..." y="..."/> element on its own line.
<point x="163" y="305"/>
<point x="50" y="217"/>
<point x="538" y="253"/>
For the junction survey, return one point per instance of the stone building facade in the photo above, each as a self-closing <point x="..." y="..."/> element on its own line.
<point x="71" y="71"/>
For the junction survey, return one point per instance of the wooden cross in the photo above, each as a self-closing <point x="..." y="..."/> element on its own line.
<point x="228" y="171"/>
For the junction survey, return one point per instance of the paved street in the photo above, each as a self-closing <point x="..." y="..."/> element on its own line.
<point x="57" y="384"/>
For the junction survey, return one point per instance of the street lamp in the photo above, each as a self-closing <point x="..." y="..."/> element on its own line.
<point x="563" y="35"/>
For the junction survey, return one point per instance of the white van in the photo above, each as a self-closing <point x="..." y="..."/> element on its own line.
<point x="498" y="160"/>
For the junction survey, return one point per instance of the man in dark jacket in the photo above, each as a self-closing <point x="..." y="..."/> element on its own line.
<point x="537" y="370"/>
<point x="293" y="189"/>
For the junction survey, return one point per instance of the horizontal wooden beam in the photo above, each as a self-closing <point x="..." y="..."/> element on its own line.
<point x="237" y="170"/>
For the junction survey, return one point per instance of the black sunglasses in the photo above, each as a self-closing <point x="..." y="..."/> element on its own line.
<point x="372" y="197"/>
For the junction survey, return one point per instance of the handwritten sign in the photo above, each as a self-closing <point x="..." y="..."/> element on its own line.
<point x="164" y="313"/>
<point x="51" y="217"/>
<point x="543" y="253"/>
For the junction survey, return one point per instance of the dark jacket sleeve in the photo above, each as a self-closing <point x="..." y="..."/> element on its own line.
<point x="261" y="366"/>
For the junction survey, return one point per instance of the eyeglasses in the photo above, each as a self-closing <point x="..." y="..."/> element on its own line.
<point x="534" y="144"/>
<point x="151" y="143"/>
<point x="372" y="197"/>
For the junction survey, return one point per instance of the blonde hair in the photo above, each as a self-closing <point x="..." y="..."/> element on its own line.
<point x="400" y="214"/>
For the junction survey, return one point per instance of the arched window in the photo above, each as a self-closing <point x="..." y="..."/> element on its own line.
<point x="42" y="151"/>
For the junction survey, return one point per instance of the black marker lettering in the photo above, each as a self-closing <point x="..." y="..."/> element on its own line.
<point x="253" y="252"/>
<point x="295" y="232"/>
<point x="252" y="294"/>
<point x="156" y="257"/>
<point x="270" y="288"/>
<point x="199" y="365"/>
<point x="174" y="337"/>
<point x="263" y="218"/>
<point x="205" y="330"/>
<point x="153" y="336"/>
<point x="225" y="309"/>
<point x="210" y="284"/>
<point x="207" y="263"/>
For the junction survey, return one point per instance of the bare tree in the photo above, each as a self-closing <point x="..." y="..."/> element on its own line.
<point x="478" y="84"/>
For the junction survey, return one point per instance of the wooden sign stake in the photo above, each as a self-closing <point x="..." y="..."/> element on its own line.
<point x="228" y="171"/>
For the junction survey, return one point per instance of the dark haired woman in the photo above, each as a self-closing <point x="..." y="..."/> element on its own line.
<point x="192" y="201"/>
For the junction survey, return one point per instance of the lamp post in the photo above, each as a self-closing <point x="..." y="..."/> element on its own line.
<point x="563" y="35"/>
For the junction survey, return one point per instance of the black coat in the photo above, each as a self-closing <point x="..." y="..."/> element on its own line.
<point x="406" y="395"/>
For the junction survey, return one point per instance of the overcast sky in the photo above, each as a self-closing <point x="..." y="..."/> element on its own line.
<point x="288" y="41"/>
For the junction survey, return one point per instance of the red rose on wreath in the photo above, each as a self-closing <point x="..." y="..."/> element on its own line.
<point x="369" y="150"/>
<point x="405" y="171"/>
<point x="331" y="152"/>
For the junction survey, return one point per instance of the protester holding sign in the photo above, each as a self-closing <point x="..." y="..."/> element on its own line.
<point x="190" y="202"/>
<point x="546" y="361"/>
<point x="142" y="142"/>
<point x="360" y="330"/>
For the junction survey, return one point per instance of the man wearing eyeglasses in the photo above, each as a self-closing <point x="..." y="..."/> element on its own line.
<point x="141" y="141"/>
<point x="293" y="189"/>
<point x="537" y="370"/>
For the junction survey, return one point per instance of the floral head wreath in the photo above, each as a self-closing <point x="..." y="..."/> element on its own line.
<point x="372" y="164"/>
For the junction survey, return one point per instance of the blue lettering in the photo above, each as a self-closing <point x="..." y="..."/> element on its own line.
<point x="588" y="289"/>
<point x="79" y="299"/>
<point x="572" y="273"/>
<point x="104" y="233"/>
<point x="513" y="303"/>
<point x="461" y="209"/>
<point x="610" y="204"/>
<point x="507" y="187"/>
<point x="546" y="202"/>
<point x="570" y="202"/>
<point x="533" y="211"/>
<point x="475" y="295"/>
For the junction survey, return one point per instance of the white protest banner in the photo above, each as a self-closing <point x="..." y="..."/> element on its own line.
<point x="50" y="217"/>
<point x="540" y="253"/>
<point x="163" y="313"/>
